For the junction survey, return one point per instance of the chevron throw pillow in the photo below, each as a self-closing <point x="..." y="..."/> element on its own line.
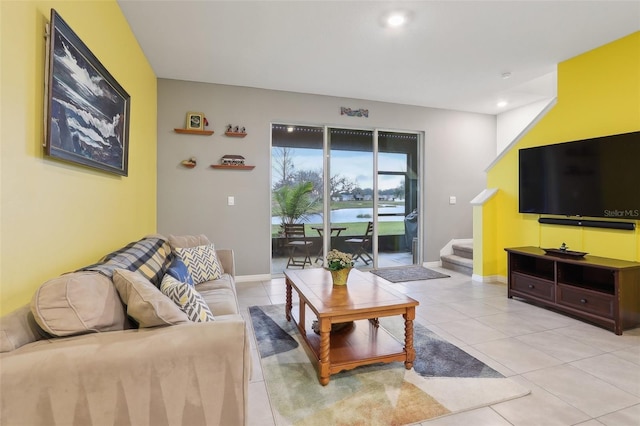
<point x="187" y="298"/>
<point x="201" y="262"/>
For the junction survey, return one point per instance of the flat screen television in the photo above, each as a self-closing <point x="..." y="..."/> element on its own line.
<point x="597" y="177"/>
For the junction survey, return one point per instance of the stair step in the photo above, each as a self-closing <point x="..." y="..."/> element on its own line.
<point x="463" y="250"/>
<point x="457" y="263"/>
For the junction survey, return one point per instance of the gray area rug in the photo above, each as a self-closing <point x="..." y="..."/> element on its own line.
<point x="408" y="273"/>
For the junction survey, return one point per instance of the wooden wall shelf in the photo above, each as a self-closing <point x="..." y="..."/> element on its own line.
<point x="228" y="167"/>
<point x="235" y="134"/>
<point x="194" y="132"/>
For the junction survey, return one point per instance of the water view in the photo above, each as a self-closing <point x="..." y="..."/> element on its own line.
<point x="354" y="215"/>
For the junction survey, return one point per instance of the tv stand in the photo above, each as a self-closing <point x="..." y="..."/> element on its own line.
<point x="597" y="289"/>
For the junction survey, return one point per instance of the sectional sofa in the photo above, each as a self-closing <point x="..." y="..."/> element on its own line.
<point x="127" y="341"/>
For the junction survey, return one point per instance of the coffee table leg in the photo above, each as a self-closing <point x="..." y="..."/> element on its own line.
<point x="325" y="362"/>
<point x="288" y="304"/>
<point x="408" y="338"/>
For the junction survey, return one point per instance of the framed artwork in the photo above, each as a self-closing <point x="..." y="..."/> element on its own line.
<point x="86" y="110"/>
<point x="195" y="121"/>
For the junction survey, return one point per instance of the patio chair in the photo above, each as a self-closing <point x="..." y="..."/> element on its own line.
<point x="361" y="245"/>
<point x="298" y="244"/>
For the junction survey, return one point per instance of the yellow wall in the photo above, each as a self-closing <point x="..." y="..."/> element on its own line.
<point x="57" y="217"/>
<point x="598" y="95"/>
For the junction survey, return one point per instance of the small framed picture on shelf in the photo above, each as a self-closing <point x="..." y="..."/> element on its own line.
<point x="195" y="121"/>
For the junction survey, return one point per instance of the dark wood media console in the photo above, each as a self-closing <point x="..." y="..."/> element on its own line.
<point x="597" y="289"/>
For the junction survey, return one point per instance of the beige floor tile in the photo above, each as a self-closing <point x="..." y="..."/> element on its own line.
<point x="471" y="331"/>
<point x="617" y="371"/>
<point x="631" y="354"/>
<point x="509" y="305"/>
<point x="510" y="324"/>
<point x="592" y="422"/>
<point x="436" y="314"/>
<point x="559" y="346"/>
<point x="547" y="319"/>
<point x="516" y="355"/>
<point x="480" y="417"/>
<point x="626" y="417"/>
<point x="602" y="339"/>
<point x="474" y="308"/>
<point x="539" y="408"/>
<point x="250" y="289"/>
<point x="583" y="391"/>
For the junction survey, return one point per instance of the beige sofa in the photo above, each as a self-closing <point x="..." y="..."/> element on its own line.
<point x="191" y="373"/>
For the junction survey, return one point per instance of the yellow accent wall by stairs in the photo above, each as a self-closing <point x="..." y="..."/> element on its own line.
<point x="598" y="95"/>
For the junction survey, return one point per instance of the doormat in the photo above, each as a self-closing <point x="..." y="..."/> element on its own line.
<point x="444" y="379"/>
<point x="408" y="273"/>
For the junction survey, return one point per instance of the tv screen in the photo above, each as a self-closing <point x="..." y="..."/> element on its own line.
<point x="597" y="177"/>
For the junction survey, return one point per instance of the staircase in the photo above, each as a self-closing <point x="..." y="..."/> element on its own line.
<point x="460" y="260"/>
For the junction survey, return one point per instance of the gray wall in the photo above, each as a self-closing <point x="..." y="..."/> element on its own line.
<point x="458" y="146"/>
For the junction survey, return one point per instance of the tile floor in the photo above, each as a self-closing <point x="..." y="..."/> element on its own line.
<point x="579" y="374"/>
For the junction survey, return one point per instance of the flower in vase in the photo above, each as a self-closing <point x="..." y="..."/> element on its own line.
<point x="337" y="260"/>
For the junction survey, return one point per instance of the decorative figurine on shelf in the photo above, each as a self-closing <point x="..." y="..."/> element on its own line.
<point x="235" y="130"/>
<point x="232" y="160"/>
<point x="190" y="163"/>
<point x="206" y="122"/>
<point x="564" y="247"/>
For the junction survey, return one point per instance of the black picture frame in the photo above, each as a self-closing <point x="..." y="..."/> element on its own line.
<point x="86" y="110"/>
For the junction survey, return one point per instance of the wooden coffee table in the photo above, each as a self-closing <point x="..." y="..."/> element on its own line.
<point x="362" y="300"/>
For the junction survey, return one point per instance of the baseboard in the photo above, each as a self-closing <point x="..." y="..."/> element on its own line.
<point x="248" y="278"/>
<point x="434" y="264"/>
<point x="489" y="278"/>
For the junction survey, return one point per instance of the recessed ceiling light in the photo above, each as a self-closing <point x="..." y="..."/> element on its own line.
<point x="290" y="129"/>
<point x="502" y="104"/>
<point x="396" y="19"/>
<point x="506" y="75"/>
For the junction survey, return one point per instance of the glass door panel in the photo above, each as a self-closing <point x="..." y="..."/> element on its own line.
<point x="351" y="192"/>
<point x="296" y="193"/>
<point x="397" y="198"/>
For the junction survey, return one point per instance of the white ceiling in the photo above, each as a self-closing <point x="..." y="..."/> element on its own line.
<point x="451" y="55"/>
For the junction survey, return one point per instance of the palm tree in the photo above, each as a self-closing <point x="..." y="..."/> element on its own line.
<point x="294" y="203"/>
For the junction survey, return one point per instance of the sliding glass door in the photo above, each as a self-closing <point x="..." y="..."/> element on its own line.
<point x="355" y="190"/>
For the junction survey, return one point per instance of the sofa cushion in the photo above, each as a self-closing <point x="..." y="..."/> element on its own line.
<point x="220" y="300"/>
<point x="188" y="241"/>
<point x="187" y="298"/>
<point x="77" y="303"/>
<point x="145" y="303"/>
<point x="179" y="271"/>
<point x="201" y="262"/>
<point x="150" y="256"/>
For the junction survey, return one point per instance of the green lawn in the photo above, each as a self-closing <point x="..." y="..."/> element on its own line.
<point x="353" y="228"/>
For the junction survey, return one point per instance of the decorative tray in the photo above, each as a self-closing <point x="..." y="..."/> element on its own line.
<point x="566" y="253"/>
